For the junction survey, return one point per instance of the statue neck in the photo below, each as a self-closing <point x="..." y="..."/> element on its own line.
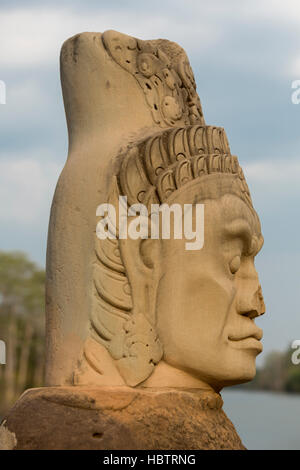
<point x="165" y="375"/>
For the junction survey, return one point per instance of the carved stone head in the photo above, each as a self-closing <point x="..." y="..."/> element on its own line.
<point x="150" y="312"/>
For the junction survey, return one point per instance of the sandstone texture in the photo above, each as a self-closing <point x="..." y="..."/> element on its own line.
<point x="109" y="418"/>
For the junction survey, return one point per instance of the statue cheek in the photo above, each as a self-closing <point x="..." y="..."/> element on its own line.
<point x="218" y="295"/>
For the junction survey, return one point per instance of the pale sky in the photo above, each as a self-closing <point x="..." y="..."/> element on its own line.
<point x="245" y="56"/>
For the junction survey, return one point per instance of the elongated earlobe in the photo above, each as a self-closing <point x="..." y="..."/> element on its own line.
<point x="149" y="252"/>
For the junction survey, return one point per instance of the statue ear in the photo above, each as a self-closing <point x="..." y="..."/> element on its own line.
<point x="123" y="316"/>
<point x="142" y="348"/>
<point x="141" y="259"/>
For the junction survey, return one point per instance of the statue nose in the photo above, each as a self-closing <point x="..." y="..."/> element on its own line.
<point x="254" y="305"/>
<point x="261" y="302"/>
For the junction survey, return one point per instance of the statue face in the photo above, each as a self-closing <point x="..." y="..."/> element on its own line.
<point x="208" y="299"/>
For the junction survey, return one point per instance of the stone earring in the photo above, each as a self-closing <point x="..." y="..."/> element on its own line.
<point x="142" y="350"/>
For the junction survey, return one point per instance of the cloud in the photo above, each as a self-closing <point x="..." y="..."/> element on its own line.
<point x="276" y="10"/>
<point x="293" y="70"/>
<point x="26" y="189"/>
<point x="34" y="34"/>
<point x="37" y="33"/>
<point x="274" y="172"/>
<point x="275" y="190"/>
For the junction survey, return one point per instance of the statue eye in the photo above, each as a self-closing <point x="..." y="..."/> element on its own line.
<point x="235" y="264"/>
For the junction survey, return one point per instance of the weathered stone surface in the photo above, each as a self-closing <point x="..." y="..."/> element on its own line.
<point x="143" y="332"/>
<point x="112" y="418"/>
<point x="8" y="439"/>
<point x="132" y="310"/>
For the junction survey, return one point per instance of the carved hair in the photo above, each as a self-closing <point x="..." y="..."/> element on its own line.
<point x="150" y="172"/>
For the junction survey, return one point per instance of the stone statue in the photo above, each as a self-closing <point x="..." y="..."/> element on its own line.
<point x="142" y="332"/>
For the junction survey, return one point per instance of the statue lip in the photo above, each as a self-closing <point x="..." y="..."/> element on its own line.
<point x="247" y="343"/>
<point x="248" y="340"/>
<point x="253" y="332"/>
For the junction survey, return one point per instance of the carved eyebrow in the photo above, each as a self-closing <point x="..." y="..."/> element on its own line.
<point x="240" y="229"/>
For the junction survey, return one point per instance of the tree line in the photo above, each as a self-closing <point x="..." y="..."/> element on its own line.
<point x="278" y="373"/>
<point x="22" y="317"/>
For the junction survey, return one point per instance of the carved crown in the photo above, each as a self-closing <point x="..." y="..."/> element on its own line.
<point x="163" y="71"/>
<point x="154" y="169"/>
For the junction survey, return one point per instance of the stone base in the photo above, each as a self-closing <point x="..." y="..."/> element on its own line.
<point x="119" y="418"/>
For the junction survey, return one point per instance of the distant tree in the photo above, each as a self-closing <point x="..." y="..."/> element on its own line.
<point x="277" y="374"/>
<point x="22" y="307"/>
<point x="293" y="380"/>
<point x="273" y="374"/>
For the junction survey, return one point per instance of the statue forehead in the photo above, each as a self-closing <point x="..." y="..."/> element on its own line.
<point x="214" y="187"/>
<point x="225" y="202"/>
<point x="232" y="213"/>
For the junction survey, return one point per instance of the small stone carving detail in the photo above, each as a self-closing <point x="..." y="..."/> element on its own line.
<point x="170" y="91"/>
<point x="153" y="170"/>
